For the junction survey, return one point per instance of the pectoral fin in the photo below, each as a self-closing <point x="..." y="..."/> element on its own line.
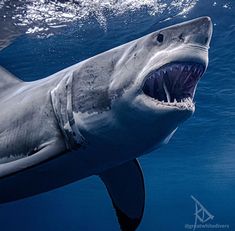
<point x="125" y="185"/>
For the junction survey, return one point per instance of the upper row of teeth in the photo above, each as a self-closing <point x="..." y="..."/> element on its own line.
<point x="168" y="96"/>
<point x="187" y="68"/>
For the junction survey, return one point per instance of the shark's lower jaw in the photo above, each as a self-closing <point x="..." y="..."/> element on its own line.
<point x="174" y="84"/>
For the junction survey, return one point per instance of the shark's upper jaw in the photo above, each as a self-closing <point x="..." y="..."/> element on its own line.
<point x="174" y="83"/>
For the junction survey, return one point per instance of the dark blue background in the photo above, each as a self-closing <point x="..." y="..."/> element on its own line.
<point x="198" y="161"/>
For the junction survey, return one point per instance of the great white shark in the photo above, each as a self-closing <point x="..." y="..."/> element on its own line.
<point x="96" y="117"/>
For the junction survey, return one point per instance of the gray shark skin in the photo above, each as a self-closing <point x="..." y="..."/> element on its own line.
<point x="98" y="116"/>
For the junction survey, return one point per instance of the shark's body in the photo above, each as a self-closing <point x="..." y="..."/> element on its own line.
<point x="98" y="116"/>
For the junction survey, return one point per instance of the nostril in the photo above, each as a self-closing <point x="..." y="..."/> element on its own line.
<point x="206" y="40"/>
<point x="181" y="38"/>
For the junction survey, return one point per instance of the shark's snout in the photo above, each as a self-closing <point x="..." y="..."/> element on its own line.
<point x="198" y="31"/>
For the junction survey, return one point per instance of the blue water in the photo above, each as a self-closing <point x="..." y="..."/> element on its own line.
<point x="198" y="161"/>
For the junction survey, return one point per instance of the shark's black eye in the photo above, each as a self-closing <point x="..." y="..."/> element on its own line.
<point x="160" y="38"/>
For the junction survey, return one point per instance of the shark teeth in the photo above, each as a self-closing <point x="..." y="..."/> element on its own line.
<point x="186" y="103"/>
<point x="166" y="92"/>
<point x="174" y="83"/>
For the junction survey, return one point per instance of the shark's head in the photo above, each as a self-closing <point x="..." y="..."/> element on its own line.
<point x="157" y="77"/>
<point x="160" y="71"/>
<point x="133" y="97"/>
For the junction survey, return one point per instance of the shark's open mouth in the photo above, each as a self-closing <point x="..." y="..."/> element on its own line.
<point x="174" y="82"/>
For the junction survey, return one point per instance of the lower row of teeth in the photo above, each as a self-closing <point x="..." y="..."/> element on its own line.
<point x="186" y="102"/>
<point x="183" y="101"/>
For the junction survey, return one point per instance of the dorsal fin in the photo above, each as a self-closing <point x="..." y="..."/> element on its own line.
<point x="7" y="79"/>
